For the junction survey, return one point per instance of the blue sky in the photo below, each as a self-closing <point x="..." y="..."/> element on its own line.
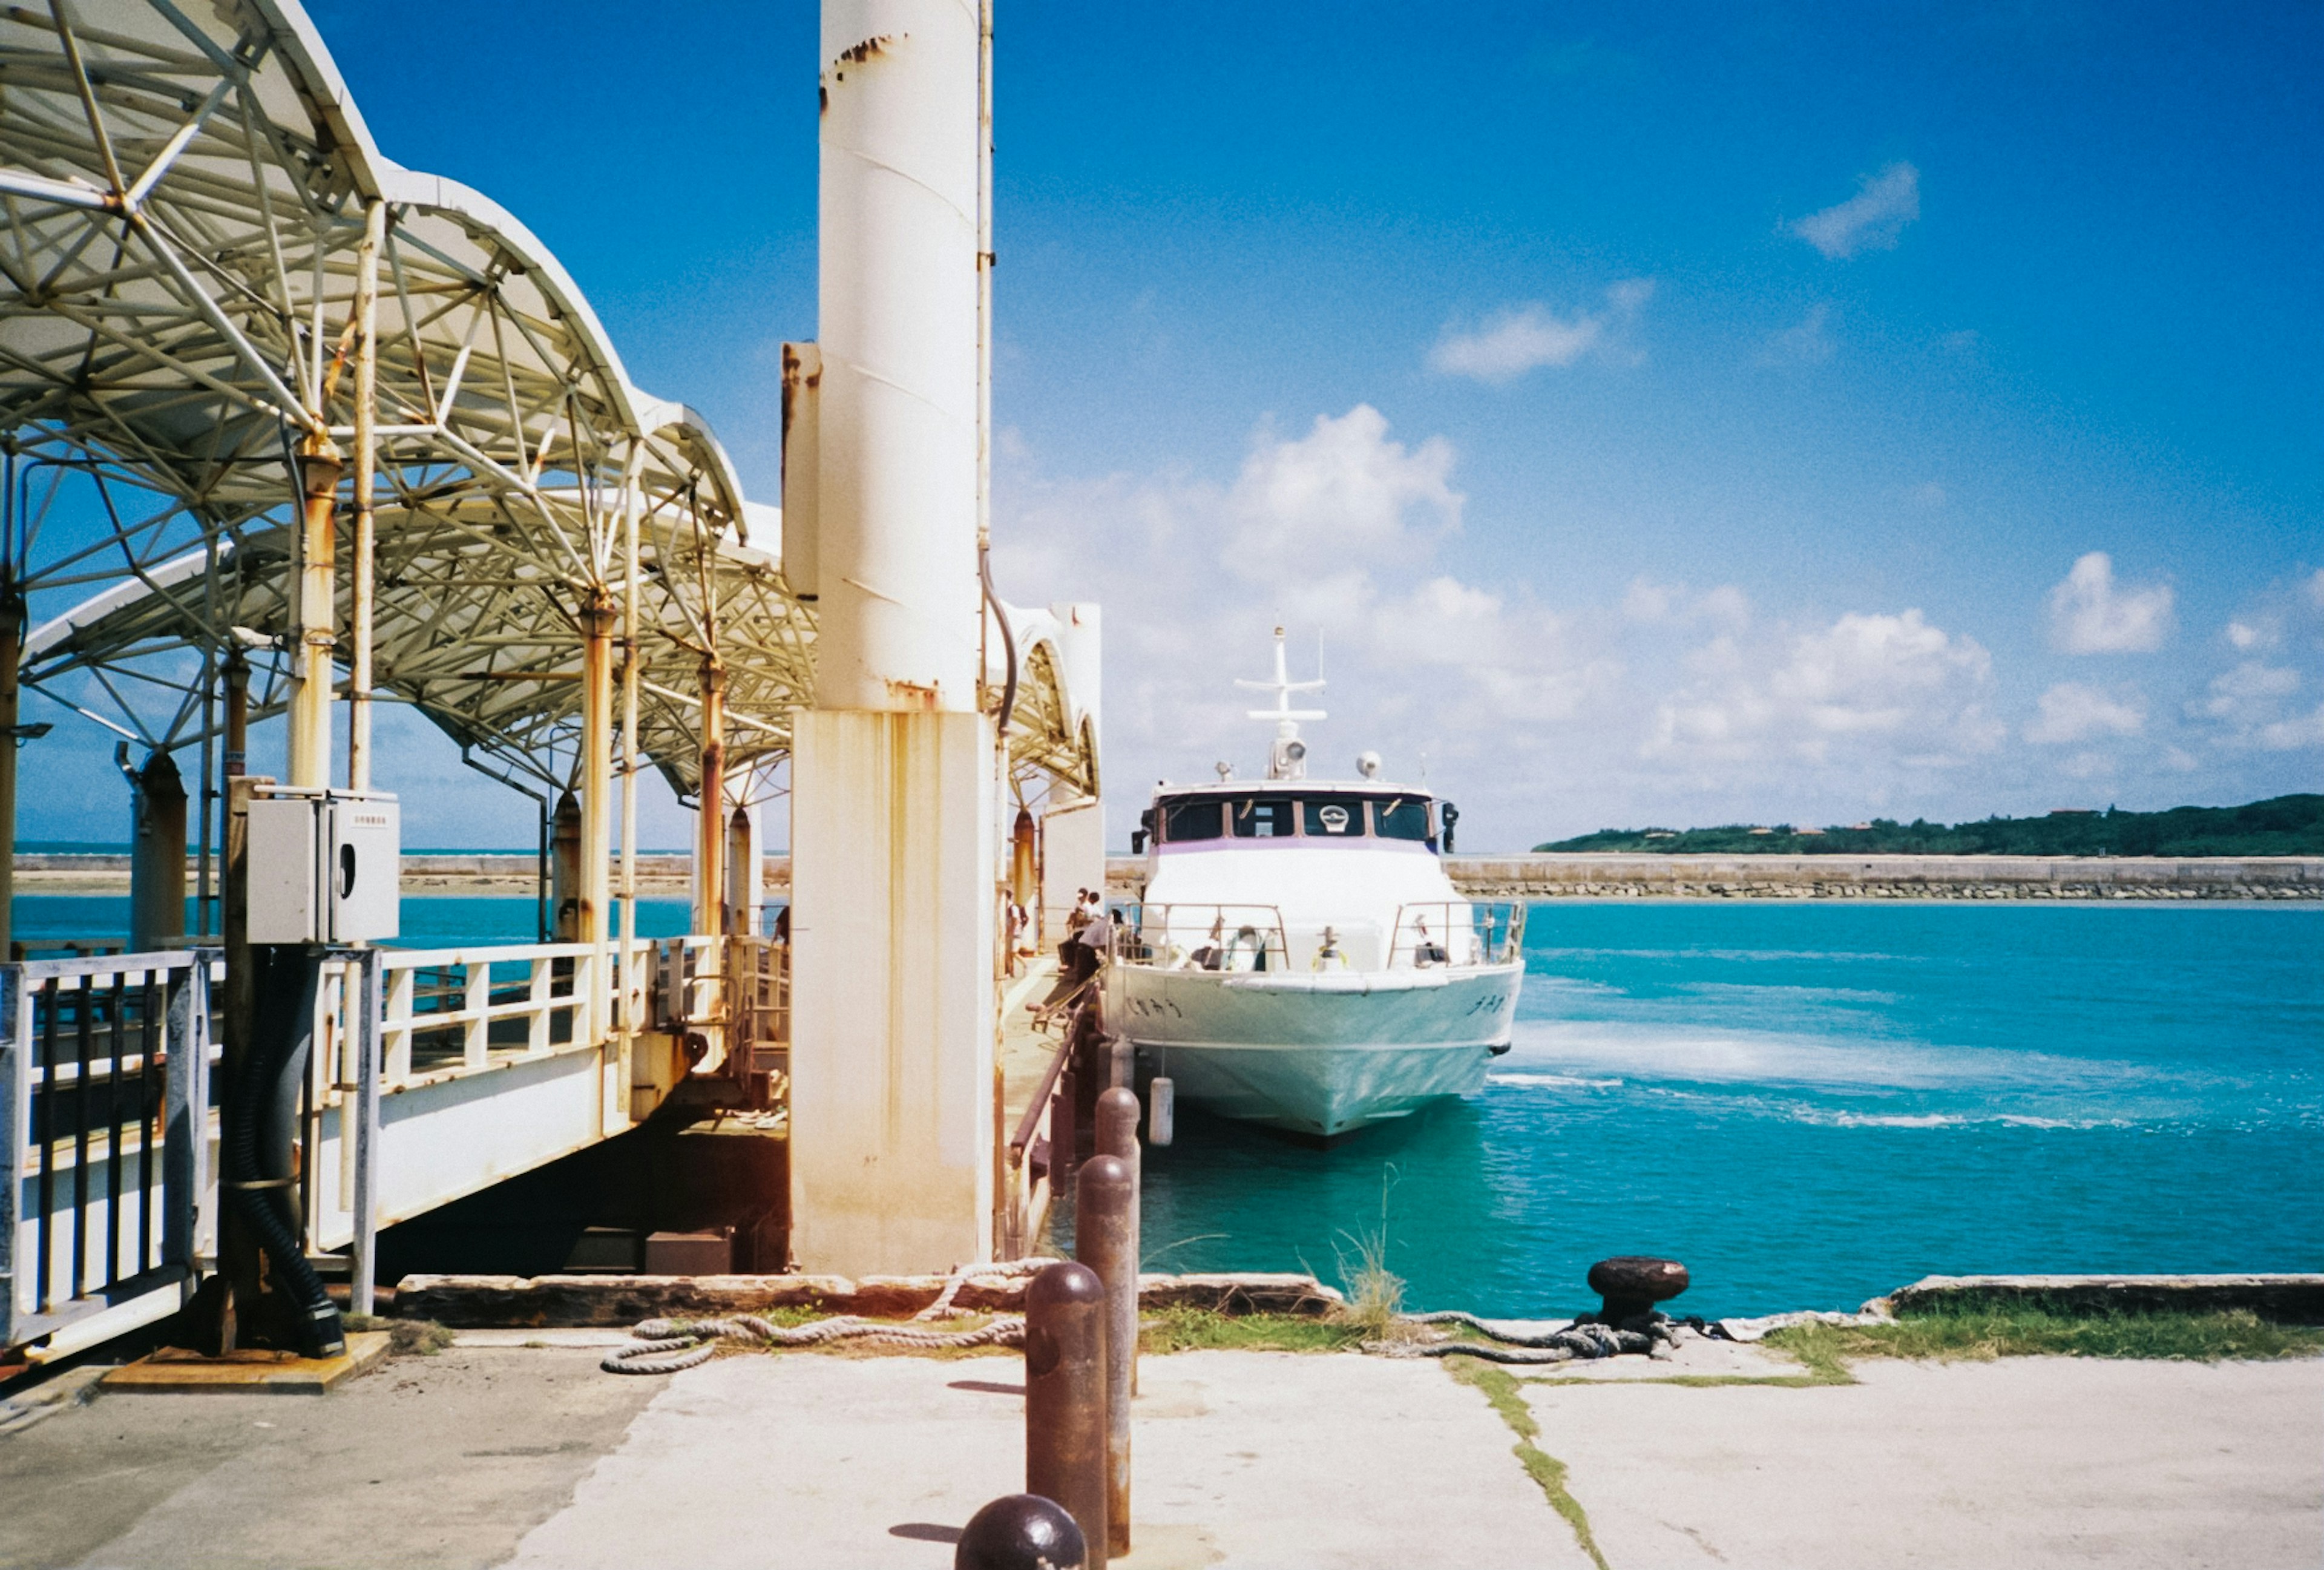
<point x="1674" y="413"/>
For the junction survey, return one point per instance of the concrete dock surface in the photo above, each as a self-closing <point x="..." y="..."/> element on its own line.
<point x="514" y="1456"/>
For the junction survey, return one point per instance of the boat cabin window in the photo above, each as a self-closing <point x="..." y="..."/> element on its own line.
<point x="1400" y="817"/>
<point x="1262" y="817"/>
<point x="1198" y="818"/>
<point x="1335" y="818"/>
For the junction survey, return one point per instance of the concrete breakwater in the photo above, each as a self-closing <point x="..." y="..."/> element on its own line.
<point x="1616" y="875"/>
<point x="1535" y="876"/>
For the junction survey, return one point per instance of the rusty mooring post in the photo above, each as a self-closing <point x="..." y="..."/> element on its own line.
<point x="1064" y="1397"/>
<point x="1117" y="1135"/>
<point x="1105" y="1197"/>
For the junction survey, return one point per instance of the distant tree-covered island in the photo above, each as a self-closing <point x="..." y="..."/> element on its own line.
<point x="2283" y="825"/>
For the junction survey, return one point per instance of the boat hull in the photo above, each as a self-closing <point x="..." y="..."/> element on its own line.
<point x="1319" y="1055"/>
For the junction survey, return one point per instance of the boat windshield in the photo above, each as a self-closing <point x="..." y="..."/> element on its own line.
<point x="1400" y="817"/>
<point x="1198" y="818"/>
<point x="1331" y="818"/>
<point x="1263" y="818"/>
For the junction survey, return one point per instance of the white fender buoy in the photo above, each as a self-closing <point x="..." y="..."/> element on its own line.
<point x="1161" y="1103"/>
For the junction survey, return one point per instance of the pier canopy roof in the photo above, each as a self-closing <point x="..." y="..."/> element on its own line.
<point x="185" y="192"/>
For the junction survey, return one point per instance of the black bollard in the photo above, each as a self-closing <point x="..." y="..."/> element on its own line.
<point x="1630" y="1284"/>
<point x="1117" y="1135"/>
<point x="1021" y="1532"/>
<point x="1104" y="1201"/>
<point x="1064" y="1397"/>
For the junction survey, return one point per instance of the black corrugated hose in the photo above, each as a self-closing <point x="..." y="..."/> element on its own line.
<point x="261" y="1125"/>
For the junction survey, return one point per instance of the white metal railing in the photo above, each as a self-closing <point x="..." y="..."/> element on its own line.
<point x="1184" y="936"/>
<point x="1455" y="932"/>
<point x="104" y="1072"/>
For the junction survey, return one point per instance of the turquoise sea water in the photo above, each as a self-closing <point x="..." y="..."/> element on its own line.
<point x="427" y="923"/>
<point x="1810" y="1105"/>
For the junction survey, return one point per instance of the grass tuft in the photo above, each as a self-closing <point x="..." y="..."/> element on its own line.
<point x="2022" y="1330"/>
<point x="1500" y="1388"/>
<point x="1375" y="1293"/>
<point x="1169" y="1330"/>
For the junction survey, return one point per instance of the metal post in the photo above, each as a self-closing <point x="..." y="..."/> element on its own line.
<point x="11" y="650"/>
<point x="1117" y="1136"/>
<point x="597" y="848"/>
<point x="1064" y="1135"/>
<point x="371" y="972"/>
<point x="237" y="1245"/>
<point x="237" y="715"/>
<point x="157" y="855"/>
<point x="632" y="655"/>
<point x="185" y="1115"/>
<point x="1064" y="1397"/>
<point x="310" y="708"/>
<point x="710" y="803"/>
<point x="564" y="868"/>
<point x="367" y="312"/>
<point x="1105" y="1198"/>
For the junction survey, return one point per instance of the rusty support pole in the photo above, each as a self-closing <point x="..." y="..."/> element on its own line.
<point x="1117" y="1136"/>
<point x="316" y="616"/>
<point x="632" y="652"/>
<point x="1064" y="1397"/>
<point x="237" y="715"/>
<point x="359" y="633"/>
<point x="1105" y="1199"/>
<point x="593" y="925"/>
<point x="564" y="870"/>
<point x="11" y="650"/>
<point x="710" y="803"/>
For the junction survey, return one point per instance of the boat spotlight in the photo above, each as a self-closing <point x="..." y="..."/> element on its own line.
<point x="1367" y="764"/>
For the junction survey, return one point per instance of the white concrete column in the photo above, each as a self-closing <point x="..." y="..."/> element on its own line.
<point x="892" y="850"/>
<point x="898" y="616"/>
<point x="894" y="787"/>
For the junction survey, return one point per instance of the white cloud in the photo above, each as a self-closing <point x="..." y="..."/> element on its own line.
<point x="2088" y="615"/>
<point x="2252" y="702"/>
<point x="1530" y="336"/>
<point x="2245" y="635"/>
<point x="1806" y="342"/>
<point x="1646" y="601"/>
<point x="1871" y="220"/>
<point x="2305" y="730"/>
<point x="2072" y="712"/>
<point x="1894" y="682"/>
<point x="2250" y="692"/>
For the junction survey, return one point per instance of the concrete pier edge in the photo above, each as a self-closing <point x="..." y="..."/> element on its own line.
<point x="478" y="1302"/>
<point x="472" y="1302"/>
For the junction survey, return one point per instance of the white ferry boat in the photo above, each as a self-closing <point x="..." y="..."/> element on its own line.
<point x="1299" y="957"/>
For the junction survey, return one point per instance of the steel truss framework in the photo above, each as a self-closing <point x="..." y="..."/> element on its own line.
<point x="186" y="192"/>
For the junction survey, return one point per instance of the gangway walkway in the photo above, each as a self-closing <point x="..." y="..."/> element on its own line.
<point x="437" y="1074"/>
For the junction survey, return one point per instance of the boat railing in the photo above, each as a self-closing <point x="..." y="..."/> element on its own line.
<point x="1189" y="936"/>
<point x="1456" y="932"/>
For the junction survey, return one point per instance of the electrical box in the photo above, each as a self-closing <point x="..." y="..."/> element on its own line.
<point x="325" y="868"/>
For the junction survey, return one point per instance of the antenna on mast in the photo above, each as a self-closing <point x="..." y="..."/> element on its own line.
<point x="1288" y="758"/>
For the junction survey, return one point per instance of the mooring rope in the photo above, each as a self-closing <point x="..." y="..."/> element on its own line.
<point x="668" y="1345"/>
